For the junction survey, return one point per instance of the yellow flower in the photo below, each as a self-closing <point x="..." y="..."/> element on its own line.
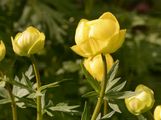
<point x="29" y="42"/>
<point x="95" y="67"/>
<point x="2" y="50"/>
<point x="157" y="113"/>
<point x="102" y="35"/>
<point x="142" y="101"/>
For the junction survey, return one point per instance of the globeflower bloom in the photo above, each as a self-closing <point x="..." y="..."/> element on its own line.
<point x="157" y="113"/>
<point x="102" y="35"/>
<point x="141" y="102"/>
<point x="2" y="50"/>
<point x="29" y="42"/>
<point x="95" y="66"/>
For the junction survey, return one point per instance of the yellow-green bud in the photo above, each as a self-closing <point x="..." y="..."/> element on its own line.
<point x="29" y="42"/>
<point x="2" y="50"/>
<point x="94" y="65"/>
<point x="141" y="102"/>
<point x="157" y="113"/>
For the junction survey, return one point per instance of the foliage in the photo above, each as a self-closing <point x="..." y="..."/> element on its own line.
<point x="139" y="57"/>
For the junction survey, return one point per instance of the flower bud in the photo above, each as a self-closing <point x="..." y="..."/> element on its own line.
<point x="29" y="42"/>
<point x="157" y="113"/>
<point x="141" y="102"/>
<point x="95" y="66"/>
<point x="2" y="50"/>
<point x="102" y="35"/>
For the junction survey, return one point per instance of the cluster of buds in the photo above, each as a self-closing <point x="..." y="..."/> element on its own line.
<point x="96" y="37"/>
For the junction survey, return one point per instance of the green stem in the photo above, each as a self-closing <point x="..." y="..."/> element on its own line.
<point x="150" y="115"/>
<point x="105" y="107"/>
<point x="103" y="87"/>
<point x="13" y="103"/>
<point x="38" y="82"/>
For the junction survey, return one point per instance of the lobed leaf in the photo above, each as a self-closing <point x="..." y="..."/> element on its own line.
<point x="108" y="115"/>
<point x="63" y="107"/>
<point x="119" y="95"/>
<point x="90" y="94"/>
<point x="85" y="114"/>
<point x="115" y="107"/>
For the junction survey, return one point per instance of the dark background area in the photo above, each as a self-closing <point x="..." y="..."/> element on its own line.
<point x="140" y="55"/>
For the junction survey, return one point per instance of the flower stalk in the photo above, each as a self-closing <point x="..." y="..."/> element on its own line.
<point x="13" y="103"/>
<point x="105" y="107"/>
<point x="102" y="92"/>
<point x="38" y="82"/>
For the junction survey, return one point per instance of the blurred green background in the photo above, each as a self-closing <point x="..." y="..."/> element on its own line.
<point x="140" y="55"/>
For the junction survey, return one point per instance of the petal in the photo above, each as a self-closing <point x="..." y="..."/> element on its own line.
<point x="38" y="45"/>
<point x="97" y="68"/>
<point x="110" y="61"/>
<point x="82" y="31"/>
<point x="108" y="15"/>
<point x="94" y="65"/>
<point x="17" y="49"/>
<point x="90" y="48"/>
<point x="157" y="113"/>
<point x="82" y="50"/>
<point x="102" y="29"/>
<point x="115" y="42"/>
<point x="2" y="50"/>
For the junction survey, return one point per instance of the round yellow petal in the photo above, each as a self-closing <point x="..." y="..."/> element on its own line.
<point x="102" y="29"/>
<point x="2" y="50"/>
<point x="95" y="67"/>
<point x="108" y="15"/>
<point x="157" y="113"/>
<point x="82" y="31"/>
<point x="115" y="42"/>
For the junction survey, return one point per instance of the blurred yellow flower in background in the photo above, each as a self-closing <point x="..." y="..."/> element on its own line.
<point x="102" y="35"/>
<point x="29" y="42"/>
<point x="2" y="50"/>
<point x="141" y="102"/>
<point x="157" y="113"/>
<point x="95" y="66"/>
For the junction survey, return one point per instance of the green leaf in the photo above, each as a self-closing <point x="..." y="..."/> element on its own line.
<point x="26" y="102"/>
<point x="85" y="114"/>
<point x="4" y="93"/>
<point x="119" y="87"/>
<point x="29" y="73"/>
<point x="27" y="81"/>
<point x="109" y="115"/>
<point x="51" y="85"/>
<point x="115" y="107"/>
<point x="48" y="113"/>
<point x="141" y="117"/>
<point x="90" y="94"/>
<point x="94" y="83"/>
<point x="63" y="107"/>
<point x="5" y="101"/>
<point x="113" y="71"/>
<point x="99" y="116"/>
<point x="119" y="95"/>
<point x="111" y="84"/>
<point x="17" y="83"/>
